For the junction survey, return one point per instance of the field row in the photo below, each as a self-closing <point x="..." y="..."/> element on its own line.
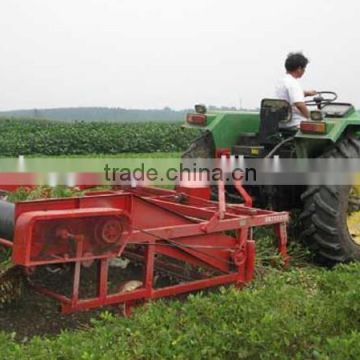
<point x="52" y="138"/>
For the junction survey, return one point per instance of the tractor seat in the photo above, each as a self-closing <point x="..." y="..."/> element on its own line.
<point x="287" y="132"/>
<point x="273" y="112"/>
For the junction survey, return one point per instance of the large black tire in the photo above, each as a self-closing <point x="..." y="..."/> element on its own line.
<point x="7" y="219"/>
<point x="203" y="147"/>
<point x="324" y="216"/>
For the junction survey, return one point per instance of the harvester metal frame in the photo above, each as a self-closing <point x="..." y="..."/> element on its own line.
<point x="190" y="229"/>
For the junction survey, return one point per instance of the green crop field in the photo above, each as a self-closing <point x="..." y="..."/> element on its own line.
<point x="55" y="138"/>
<point x="302" y="312"/>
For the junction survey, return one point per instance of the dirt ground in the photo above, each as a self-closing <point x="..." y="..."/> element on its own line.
<point x="36" y="315"/>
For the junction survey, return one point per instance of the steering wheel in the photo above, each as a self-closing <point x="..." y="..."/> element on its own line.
<point x="320" y="101"/>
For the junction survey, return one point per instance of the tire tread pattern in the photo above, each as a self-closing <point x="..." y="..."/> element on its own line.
<point x="323" y="230"/>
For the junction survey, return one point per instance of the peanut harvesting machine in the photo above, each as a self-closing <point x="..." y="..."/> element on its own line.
<point x="201" y="243"/>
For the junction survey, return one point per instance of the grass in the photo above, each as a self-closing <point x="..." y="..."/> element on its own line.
<point x="301" y="313"/>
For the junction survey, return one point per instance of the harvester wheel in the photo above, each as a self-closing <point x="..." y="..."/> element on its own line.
<point x="331" y="214"/>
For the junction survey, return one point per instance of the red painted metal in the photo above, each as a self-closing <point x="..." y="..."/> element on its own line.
<point x="160" y="229"/>
<point x="223" y="152"/>
<point x="48" y="237"/>
<point x="250" y="260"/>
<point x="203" y="192"/>
<point x="6" y="243"/>
<point x="248" y="201"/>
<point x="11" y="181"/>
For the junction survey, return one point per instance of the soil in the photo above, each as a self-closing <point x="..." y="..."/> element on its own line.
<point x="37" y="315"/>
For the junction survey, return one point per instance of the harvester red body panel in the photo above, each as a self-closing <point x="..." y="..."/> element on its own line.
<point x="146" y="225"/>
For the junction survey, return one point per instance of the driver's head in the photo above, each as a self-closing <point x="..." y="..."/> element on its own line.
<point x="295" y="64"/>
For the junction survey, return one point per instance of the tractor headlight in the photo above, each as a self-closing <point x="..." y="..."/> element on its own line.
<point x="200" y="109"/>
<point x="317" y="115"/>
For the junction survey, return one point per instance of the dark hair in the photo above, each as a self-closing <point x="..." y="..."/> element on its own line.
<point x="295" y="60"/>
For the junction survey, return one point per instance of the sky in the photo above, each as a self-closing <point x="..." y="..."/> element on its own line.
<point x="151" y="54"/>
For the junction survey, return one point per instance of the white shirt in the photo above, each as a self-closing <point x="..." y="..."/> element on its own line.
<point x="289" y="89"/>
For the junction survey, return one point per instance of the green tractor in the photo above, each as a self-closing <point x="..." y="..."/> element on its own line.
<point x="329" y="214"/>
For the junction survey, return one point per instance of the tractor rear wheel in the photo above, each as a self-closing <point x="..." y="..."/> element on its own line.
<point x="331" y="214"/>
<point x="203" y="147"/>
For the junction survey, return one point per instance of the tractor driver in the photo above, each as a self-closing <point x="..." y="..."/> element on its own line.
<point x="289" y="89"/>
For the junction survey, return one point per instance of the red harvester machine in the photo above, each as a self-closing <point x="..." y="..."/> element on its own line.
<point x="160" y="229"/>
